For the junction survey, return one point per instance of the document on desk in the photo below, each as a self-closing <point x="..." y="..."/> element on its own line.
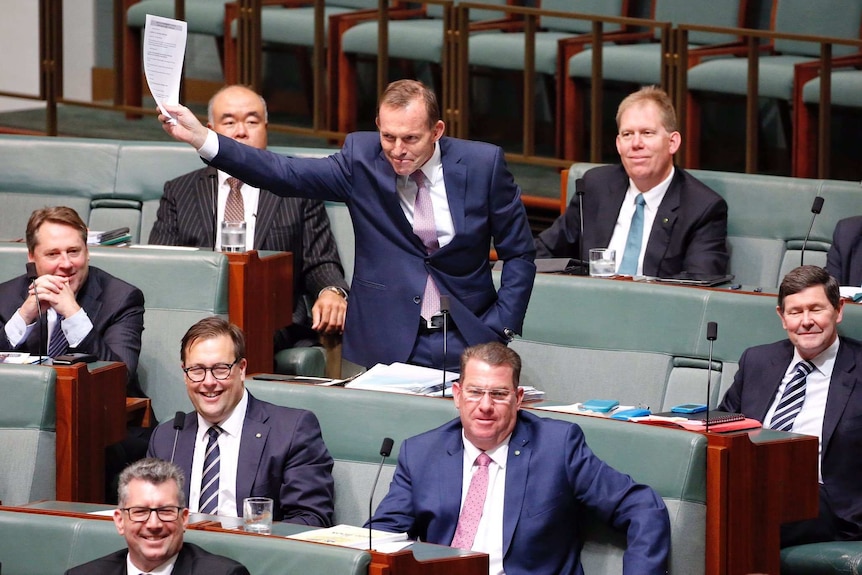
<point x="164" y="51"/>
<point x="403" y="378"/>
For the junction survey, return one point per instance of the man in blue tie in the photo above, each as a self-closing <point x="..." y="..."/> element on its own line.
<point x="811" y="383"/>
<point x="660" y="220"/>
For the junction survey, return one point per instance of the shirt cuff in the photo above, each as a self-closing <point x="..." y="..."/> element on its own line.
<point x="210" y="148"/>
<point x="77" y="327"/>
<point x="16" y="330"/>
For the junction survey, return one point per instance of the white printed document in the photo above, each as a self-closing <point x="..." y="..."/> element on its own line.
<point x="164" y="51"/>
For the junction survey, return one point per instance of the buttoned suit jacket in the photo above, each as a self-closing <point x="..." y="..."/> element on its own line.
<point x="689" y="233"/>
<point x="552" y="480"/>
<point x="192" y="560"/>
<point x="844" y="259"/>
<point x="753" y="391"/>
<point x="115" y="308"/>
<point x="281" y="456"/>
<point x="186" y="218"/>
<point x="391" y="263"/>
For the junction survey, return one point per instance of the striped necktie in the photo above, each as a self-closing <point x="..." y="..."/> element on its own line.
<point x="792" y="399"/>
<point x="210" y="477"/>
<point x="234" y="208"/>
<point x="57" y="344"/>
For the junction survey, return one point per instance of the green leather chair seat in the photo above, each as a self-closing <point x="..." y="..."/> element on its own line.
<point x="202" y="16"/>
<point x="730" y="76"/>
<point x="831" y="558"/>
<point x="846" y="89"/>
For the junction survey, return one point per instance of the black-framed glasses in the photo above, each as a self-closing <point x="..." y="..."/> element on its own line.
<point x="220" y="371"/>
<point x="167" y="514"/>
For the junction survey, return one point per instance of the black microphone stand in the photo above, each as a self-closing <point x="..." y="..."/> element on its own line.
<point x="385" y="450"/>
<point x="444" y="309"/>
<point x="711" y="335"/>
<point x="815" y="209"/>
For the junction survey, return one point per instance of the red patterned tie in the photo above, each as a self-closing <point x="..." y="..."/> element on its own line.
<point x="471" y="513"/>
<point x="425" y="228"/>
<point x="234" y="209"/>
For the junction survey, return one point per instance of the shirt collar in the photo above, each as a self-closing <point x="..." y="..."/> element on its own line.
<point x="232" y="424"/>
<point x="498" y="454"/>
<point x="164" y="569"/>
<point x="652" y="197"/>
<point x="824" y="363"/>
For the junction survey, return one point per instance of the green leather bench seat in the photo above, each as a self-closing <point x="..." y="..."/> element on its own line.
<point x="354" y="423"/>
<point x="830" y="558"/>
<point x="34" y="544"/>
<point x="27" y="434"/>
<point x="767" y="219"/>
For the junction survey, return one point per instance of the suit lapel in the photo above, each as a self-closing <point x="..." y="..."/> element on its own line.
<point x="455" y="178"/>
<point x="185" y="452"/>
<point x="204" y="205"/>
<point x="610" y="201"/>
<point x="662" y="227"/>
<point x="267" y="206"/>
<point x="771" y="381"/>
<point x="90" y="296"/>
<point x="255" y="432"/>
<point x="855" y="272"/>
<point x="386" y="182"/>
<point x="840" y="387"/>
<point x="451" y="474"/>
<point x="517" y="472"/>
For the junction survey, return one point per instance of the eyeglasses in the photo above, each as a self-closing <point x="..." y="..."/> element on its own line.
<point x="142" y="514"/>
<point x="220" y="371"/>
<point x="496" y="395"/>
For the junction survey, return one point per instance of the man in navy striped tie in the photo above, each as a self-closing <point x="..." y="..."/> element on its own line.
<point x="811" y="383"/>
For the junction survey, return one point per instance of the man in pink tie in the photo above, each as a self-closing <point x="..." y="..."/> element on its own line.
<point x="512" y="485"/>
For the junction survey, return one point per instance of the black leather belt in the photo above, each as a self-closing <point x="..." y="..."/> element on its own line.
<point x="434" y="324"/>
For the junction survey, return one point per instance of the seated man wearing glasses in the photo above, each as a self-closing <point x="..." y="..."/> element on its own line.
<point x="152" y="517"/>
<point x="515" y="486"/>
<point x="235" y="446"/>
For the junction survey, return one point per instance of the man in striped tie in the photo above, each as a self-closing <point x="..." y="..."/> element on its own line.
<point x="811" y="383"/>
<point x="234" y="445"/>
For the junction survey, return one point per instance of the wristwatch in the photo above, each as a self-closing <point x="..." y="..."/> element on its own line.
<point x="509" y="334"/>
<point x="336" y="289"/>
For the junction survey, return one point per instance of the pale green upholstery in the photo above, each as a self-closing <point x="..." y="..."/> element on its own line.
<point x="846" y="89"/>
<point x="342" y="230"/>
<point x="830" y="558"/>
<point x="66" y="542"/>
<point x="295" y="25"/>
<point x="202" y="16"/>
<point x="28" y="434"/>
<point x="354" y="422"/>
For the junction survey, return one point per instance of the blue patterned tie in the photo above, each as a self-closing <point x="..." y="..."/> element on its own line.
<point x="792" y="399"/>
<point x="57" y="344"/>
<point x="629" y="264"/>
<point x="210" y="476"/>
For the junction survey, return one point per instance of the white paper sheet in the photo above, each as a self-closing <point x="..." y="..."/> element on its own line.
<point x="164" y="51"/>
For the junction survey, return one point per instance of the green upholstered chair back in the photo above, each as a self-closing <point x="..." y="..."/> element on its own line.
<point x="202" y="16"/>
<point x="727" y="13"/>
<point x="834" y="18"/>
<point x="591" y="7"/>
<point x="27" y="434"/>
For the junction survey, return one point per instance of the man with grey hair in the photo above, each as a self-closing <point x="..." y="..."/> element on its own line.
<point x="193" y="204"/>
<point x="152" y="517"/>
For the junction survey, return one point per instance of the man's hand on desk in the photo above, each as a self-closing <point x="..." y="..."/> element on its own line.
<point x="329" y="311"/>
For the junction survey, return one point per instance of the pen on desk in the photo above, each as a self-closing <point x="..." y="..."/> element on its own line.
<point x="758" y="289"/>
<point x="736" y="286"/>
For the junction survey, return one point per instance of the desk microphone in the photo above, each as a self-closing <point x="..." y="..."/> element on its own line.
<point x="31" y="277"/>
<point x="444" y="309"/>
<point x="179" y="423"/>
<point x="214" y="193"/>
<point x="385" y="450"/>
<point x="711" y="335"/>
<point x="815" y="209"/>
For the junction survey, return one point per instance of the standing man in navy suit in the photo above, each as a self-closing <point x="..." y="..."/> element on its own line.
<point x="468" y="199"/>
<point x="684" y="221"/>
<point x="844" y="259"/>
<point x="541" y="477"/>
<point x="263" y="449"/>
<point x="810" y="309"/>
<point x="194" y="203"/>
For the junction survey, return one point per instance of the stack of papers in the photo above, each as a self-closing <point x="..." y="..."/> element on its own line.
<point x="17" y="357"/>
<point x="404" y="378"/>
<point x="109" y="238"/>
<point x="349" y="536"/>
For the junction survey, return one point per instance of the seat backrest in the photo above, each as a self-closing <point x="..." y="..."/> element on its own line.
<point x="727" y="13"/>
<point x="28" y="433"/>
<point x="436" y="10"/>
<point x="591" y="7"/>
<point x="834" y="18"/>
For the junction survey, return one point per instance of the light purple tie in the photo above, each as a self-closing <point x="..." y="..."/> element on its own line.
<point x="425" y="228"/>
<point x="474" y="504"/>
<point x="234" y="209"/>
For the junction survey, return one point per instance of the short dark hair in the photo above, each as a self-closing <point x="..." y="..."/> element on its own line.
<point x="805" y="277"/>
<point x="495" y="354"/>
<point x="56" y="215"/>
<point x="658" y="97"/>
<point x="402" y="93"/>
<point x="211" y="328"/>
<point x="154" y="471"/>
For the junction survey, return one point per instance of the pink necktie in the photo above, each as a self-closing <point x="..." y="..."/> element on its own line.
<point x="471" y="513"/>
<point x="234" y="210"/>
<point x="425" y="228"/>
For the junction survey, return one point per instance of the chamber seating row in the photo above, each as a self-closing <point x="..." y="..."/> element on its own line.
<point x="767" y="219"/>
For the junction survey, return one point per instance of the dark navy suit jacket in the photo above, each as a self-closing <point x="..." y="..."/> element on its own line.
<point x="281" y="456"/>
<point x="761" y="370"/>
<point x="192" y="560"/>
<point x="844" y="259"/>
<point x="552" y="480"/>
<point x="689" y="233"/>
<point x="391" y="262"/>
<point x="115" y="308"/>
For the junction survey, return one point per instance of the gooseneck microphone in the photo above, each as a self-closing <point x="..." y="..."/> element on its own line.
<point x="385" y="450"/>
<point x="179" y="423"/>
<point x="711" y="335"/>
<point x="815" y="209"/>
<point x="31" y="277"/>
<point x="444" y="309"/>
<point x="214" y="193"/>
<point x="579" y="191"/>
